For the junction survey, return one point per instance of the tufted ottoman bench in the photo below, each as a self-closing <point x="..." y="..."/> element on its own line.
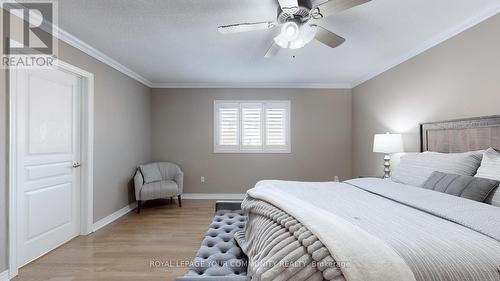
<point x="219" y="257"/>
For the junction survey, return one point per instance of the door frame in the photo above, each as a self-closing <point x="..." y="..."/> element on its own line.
<point x="87" y="150"/>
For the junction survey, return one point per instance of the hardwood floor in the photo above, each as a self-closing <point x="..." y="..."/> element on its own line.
<point x="154" y="245"/>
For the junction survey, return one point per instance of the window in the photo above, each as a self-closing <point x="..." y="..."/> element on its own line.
<point x="251" y="126"/>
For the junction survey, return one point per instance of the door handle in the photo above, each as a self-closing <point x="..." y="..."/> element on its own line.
<point x="76" y="164"/>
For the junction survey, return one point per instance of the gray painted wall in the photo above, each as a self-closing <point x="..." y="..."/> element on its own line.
<point x="456" y="79"/>
<point x="122" y="112"/>
<point x="182" y="122"/>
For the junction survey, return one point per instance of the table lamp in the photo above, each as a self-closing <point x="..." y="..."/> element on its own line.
<point x="387" y="144"/>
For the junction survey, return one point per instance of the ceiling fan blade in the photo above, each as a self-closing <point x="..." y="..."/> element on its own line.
<point x="289" y="6"/>
<point x="328" y="38"/>
<point x="243" y="27"/>
<point x="335" y="6"/>
<point x="273" y="51"/>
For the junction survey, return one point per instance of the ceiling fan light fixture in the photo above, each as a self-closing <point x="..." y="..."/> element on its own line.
<point x="281" y="41"/>
<point x="307" y="33"/>
<point x="290" y="31"/>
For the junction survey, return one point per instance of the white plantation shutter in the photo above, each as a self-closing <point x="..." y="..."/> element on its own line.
<point x="227" y="126"/>
<point x="277" y="126"/>
<point x="252" y="126"/>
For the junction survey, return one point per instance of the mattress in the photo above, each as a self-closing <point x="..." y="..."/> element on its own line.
<point x="369" y="229"/>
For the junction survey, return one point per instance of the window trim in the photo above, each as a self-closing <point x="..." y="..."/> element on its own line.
<point x="240" y="148"/>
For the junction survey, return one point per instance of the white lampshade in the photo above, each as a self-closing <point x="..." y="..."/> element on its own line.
<point x="388" y="143"/>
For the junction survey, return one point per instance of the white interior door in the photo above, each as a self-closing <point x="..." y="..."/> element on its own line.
<point x="48" y="153"/>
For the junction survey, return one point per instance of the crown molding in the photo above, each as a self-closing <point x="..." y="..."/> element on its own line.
<point x="72" y="40"/>
<point x="436" y="40"/>
<point x="252" y="85"/>
<point x="75" y="42"/>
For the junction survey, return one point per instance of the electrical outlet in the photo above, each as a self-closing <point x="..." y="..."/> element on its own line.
<point x="202" y="179"/>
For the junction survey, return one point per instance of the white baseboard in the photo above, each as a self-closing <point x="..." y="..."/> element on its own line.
<point x="4" y="276"/>
<point x="195" y="196"/>
<point x="114" y="216"/>
<point x="214" y="196"/>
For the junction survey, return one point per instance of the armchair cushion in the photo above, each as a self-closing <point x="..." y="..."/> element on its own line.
<point x="168" y="170"/>
<point x="151" y="173"/>
<point x="159" y="189"/>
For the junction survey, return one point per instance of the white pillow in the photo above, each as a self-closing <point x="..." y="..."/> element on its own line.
<point x="490" y="165"/>
<point x="490" y="169"/>
<point x="415" y="169"/>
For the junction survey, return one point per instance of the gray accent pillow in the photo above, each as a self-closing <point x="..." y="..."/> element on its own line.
<point x="150" y="172"/>
<point x="472" y="188"/>
<point x="415" y="169"/>
<point x="494" y="198"/>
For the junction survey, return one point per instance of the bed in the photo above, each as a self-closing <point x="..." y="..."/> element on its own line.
<point x="375" y="229"/>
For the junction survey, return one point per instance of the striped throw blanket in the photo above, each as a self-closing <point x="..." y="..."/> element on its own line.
<point x="282" y="248"/>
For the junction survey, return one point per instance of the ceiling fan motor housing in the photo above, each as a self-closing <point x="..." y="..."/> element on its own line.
<point x="302" y="15"/>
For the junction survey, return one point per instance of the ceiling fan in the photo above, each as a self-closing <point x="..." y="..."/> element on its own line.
<point x="296" y="18"/>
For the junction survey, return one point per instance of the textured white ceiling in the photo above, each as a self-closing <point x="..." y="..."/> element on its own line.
<point x="176" y="41"/>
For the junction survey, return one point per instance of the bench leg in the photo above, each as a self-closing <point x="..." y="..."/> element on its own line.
<point x="180" y="202"/>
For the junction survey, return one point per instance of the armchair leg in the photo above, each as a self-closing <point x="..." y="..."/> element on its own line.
<point x="139" y="203"/>
<point x="180" y="202"/>
<point x="171" y="200"/>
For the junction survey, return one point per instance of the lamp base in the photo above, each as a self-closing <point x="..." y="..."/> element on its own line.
<point x="387" y="166"/>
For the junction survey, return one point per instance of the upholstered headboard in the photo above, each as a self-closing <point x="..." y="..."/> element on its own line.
<point x="461" y="135"/>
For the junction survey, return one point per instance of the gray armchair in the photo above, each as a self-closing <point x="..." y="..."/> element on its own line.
<point x="157" y="181"/>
